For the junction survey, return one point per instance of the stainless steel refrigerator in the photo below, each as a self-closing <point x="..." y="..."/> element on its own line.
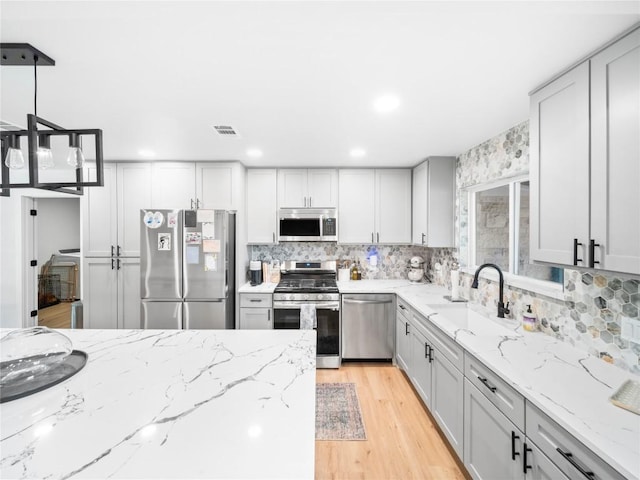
<point x="187" y="269"/>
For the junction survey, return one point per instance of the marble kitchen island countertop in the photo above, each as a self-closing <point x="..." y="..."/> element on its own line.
<point x="171" y="404"/>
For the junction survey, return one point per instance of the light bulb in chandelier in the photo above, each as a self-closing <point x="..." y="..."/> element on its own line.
<point x="76" y="157"/>
<point x="14" y="158"/>
<point x="45" y="156"/>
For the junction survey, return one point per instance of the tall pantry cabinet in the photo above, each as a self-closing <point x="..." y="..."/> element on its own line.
<point x="111" y="246"/>
<point x="585" y="162"/>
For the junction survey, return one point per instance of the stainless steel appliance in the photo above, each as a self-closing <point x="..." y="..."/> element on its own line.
<point x="368" y="326"/>
<point x="187" y="269"/>
<point x="308" y="225"/>
<point x="311" y="283"/>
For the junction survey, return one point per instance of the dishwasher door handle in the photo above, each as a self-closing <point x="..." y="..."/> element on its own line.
<point x="366" y="302"/>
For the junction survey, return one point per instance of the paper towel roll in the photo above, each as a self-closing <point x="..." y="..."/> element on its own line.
<point x="455" y="280"/>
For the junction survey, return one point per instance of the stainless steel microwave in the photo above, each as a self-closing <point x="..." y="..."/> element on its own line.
<point x="308" y="225"/>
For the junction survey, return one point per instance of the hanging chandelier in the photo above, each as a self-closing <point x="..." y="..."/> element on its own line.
<point x="39" y="134"/>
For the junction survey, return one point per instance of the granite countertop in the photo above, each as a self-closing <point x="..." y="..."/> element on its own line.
<point x="171" y="404"/>
<point x="569" y="385"/>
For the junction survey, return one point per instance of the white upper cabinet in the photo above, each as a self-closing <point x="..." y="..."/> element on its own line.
<point x="173" y="185"/>
<point x="433" y="202"/>
<point x="585" y="163"/>
<point x="189" y="185"/>
<point x="111" y="215"/>
<point x="356" y="211"/>
<point x="99" y="215"/>
<point x="615" y="155"/>
<point x="393" y="206"/>
<point x="261" y="206"/>
<point x="316" y="188"/>
<point x="374" y="206"/>
<point x="134" y="193"/>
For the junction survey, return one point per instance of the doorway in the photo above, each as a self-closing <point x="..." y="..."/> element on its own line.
<point x="57" y="250"/>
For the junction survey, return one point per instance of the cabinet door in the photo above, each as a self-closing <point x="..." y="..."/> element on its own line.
<point x="99" y="215"/>
<point x="356" y="206"/>
<point x="559" y="162"/>
<point x="100" y="293"/>
<point x="419" y="206"/>
<point x="292" y="188"/>
<point x="615" y="155"/>
<point x="403" y="344"/>
<point x="488" y="442"/>
<point x="393" y="206"/>
<point x="541" y="467"/>
<point x="173" y="185"/>
<point x="129" y="292"/>
<point x="134" y="193"/>
<point x="322" y="188"/>
<point x="215" y="184"/>
<point x="447" y="397"/>
<point x="261" y="206"/>
<point x="255" y="319"/>
<point x="420" y="366"/>
<point x="441" y="180"/>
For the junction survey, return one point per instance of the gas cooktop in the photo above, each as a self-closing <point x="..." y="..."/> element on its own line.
<point x="308" y="277"/>
<point x="324" y="285"/>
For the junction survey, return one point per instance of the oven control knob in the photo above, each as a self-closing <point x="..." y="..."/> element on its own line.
<point x="320" y="297"/>
<point x="306" y="297"/>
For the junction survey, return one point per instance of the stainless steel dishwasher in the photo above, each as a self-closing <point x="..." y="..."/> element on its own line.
<point x="367" y="326"/>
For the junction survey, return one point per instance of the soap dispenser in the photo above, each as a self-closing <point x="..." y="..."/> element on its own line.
<point x="529" y="320"/>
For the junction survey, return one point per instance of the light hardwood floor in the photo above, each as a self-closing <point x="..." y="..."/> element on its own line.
<point x="402" y="439"/>
<point x="55" y="316"/>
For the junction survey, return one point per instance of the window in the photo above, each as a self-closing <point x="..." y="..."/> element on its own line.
<point x="498" y="220"/>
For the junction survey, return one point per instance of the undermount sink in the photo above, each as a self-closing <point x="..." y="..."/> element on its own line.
<point x="463" y="317"/>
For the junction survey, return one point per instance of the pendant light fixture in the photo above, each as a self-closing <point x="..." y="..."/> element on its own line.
<point x="39" y="139"/>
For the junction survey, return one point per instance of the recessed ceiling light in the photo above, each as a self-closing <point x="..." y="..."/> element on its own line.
<point x="146" y="153"/>
<point x="357" y="152"/>
<point x="254" y="153"/>
<point x="386" y="103"/>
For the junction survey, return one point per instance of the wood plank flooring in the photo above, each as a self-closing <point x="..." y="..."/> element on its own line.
<point x="402" y="439"/>
<point x="55" y="316"/>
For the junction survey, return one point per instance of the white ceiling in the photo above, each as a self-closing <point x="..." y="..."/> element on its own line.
<point x="296" y="79"/>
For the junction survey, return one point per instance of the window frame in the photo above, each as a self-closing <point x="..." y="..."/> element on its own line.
<point x="511" y="276"/>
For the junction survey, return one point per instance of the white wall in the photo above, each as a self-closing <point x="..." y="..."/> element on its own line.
<point x="58" y="226"/>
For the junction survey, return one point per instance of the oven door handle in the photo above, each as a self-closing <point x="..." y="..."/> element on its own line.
<point x="296" y="306"/>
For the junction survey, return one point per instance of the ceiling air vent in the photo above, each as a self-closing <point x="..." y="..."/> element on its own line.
<point x="9" y="127"/>
<point x="226" y="131"/>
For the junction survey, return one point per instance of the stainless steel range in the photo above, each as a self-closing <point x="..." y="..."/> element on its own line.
<point x="311" y="283"/>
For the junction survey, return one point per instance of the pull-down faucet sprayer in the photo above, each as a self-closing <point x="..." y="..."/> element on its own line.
<point x="502" y="308"/>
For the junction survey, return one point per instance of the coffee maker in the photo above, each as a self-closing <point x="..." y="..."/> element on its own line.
<point x="255" y="272"/>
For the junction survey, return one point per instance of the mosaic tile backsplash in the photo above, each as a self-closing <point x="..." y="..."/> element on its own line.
<point x="393" y="260"/>
<point x="594" y="304"/>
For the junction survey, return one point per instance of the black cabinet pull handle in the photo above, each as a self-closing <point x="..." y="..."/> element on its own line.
<point x="576" y="244"/>
<point x="118" y="250"/>
<point x="486" y="384"/>
<point x="402" y="307"/>
<point x="112" y="250"/>
<point x="592" y="252"/>
<point x="406" y="328"/>
<point x="423" y="235"/>
<point x="568" y="456"/>
<point x="430" y="354"/>
<point x="514" y="453"/>
<point x="113" y="263"/>
<point x="525" y="467"/>
<point x="118" y="263"/>
<point x="378" y="237"/>
<point x="426" y="350"/>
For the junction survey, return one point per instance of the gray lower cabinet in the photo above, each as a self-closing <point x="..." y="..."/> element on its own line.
<point x="255" y="311"/>
<point x="419" y="365"/>
<point x="447" y="399"/>
<point x="541" y="467"/>
<point x="492" y="444"/>
<point x="403" y="344"/>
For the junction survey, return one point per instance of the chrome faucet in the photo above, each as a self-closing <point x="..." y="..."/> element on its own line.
<point x="502" y="308"/>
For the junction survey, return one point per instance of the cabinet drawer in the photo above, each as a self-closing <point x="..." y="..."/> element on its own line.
<point x="571" y="456"/>
<point x="258" y="300"/>
<point x="403" y="309"/>
<point x="447" y="347"/>
<point x="501" y="394"/>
